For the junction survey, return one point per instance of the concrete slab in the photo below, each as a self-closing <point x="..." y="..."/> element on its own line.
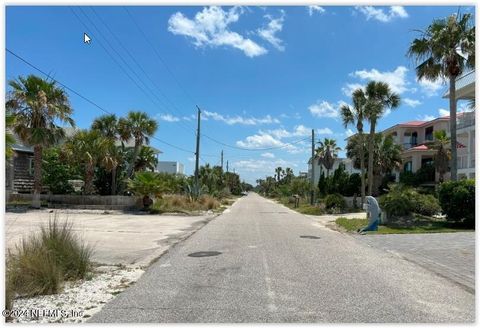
<point x="118" y="238"/>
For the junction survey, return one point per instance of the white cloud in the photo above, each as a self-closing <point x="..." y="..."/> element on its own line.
<point x="412" y="102"/>
<point x="395" y="79"/>
<point x="426" y="118"/>
<point x="443" y="112"/>
<point x="315" y="8"/>
<point x="210" y="27"/>
<point x="325" y="109"/>
<point x="350" y="87"/>
<point x="267" y="140"/>
<point x="324" y="131"/>
<point x="168" y="118"/>
<point x="269" y="32"/>
<point x="382" y="15"/>
<point x="462" y="107"/>
<point x="430" y="88"/>
<point x="268" y="155"/>
<point x="262" y="166"/>
<point x="349" y="132"/>
<point x="232" y="120"/>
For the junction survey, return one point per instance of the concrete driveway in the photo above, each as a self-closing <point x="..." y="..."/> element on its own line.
<point x="450" y="255"/>
<point x="118" y="238"/>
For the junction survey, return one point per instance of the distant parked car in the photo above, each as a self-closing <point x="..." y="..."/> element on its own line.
<point x="244" y="193"/>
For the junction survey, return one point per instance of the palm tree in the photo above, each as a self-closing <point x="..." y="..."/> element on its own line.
<point x="327" y="152"/>
<point x="444" y="51"/>
<point x="288" y="174"/>
<point x="9" y="138"/>
<point x="355" y="115"/>
<point x="38" y="105"/>
<point x="278" y="172"/>
<point x="88" y="148"/>
<point x="147" y="159"/>
<point x="442" y="155"/>
<point x="139" y="126"/>
<point x="379" y="97"/>
<point x="107" y="125"/>
<point x="389" y="154"/>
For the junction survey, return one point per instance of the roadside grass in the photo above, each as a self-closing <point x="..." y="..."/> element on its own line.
<point x="185" y="205"/>
<point x="41" y="262"/>
<point x="304" y="207"/>
<point x="422" y="225"/>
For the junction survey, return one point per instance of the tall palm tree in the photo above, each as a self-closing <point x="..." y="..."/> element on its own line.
<point x="90" y="149"/>
<point x="278" y="172"/>
<point x="38" y="105"/>
<point x="444" y="51"/>
<point x="379" y="97"/>
<point x="355" y="115"/>
<point x="140" y="127"/>
<point x="107" y="126"/>
<point x="441" y="144"/>
<point x="327" y="152"/>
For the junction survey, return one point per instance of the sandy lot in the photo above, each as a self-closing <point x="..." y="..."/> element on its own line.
<point x="118" y="238"/>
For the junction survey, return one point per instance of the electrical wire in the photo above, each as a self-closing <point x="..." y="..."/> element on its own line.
<point x="85" y="98"/>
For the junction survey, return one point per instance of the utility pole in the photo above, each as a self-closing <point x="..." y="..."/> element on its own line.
<point x="197" y="152"/>
<point x="312" y="192"/>
<point x="221" y="160"/>
<point x="227" y="166"/>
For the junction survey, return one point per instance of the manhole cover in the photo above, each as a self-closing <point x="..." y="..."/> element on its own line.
<point x="310" y="237"/>
<point x="204" y="254"/>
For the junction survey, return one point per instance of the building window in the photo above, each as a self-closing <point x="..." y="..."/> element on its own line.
<point x="429" y="133"/>
<point x="31" y="166"/>
<point x="407" y="167"/>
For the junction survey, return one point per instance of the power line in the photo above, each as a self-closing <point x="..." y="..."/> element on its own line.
<point x="156" y="86"/>
<point x="85" y="98"/>
<point x="185" y="91"/>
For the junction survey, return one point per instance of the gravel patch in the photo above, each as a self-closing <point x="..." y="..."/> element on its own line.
<point x="79" y="300"/>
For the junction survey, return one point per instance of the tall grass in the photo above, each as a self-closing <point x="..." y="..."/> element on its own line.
<point x="41" y="262"/>
<point x="184" y="204"/>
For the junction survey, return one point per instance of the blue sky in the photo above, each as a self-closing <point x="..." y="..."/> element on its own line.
<point x="263" y="76"/>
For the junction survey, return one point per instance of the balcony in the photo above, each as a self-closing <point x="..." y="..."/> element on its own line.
<point x="408" y="145"/>
<point x="467" y="120"/>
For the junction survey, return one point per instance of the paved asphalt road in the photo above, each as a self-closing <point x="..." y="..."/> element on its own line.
<point x="267" y="273"/>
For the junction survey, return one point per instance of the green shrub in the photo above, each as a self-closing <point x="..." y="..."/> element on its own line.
<point x="398" y="202"/>
<point x="426" y="205"/>
<point x="335" y="201"/>
<point x="457" y="199"/>
<point x="41" y="262"/>
<point x="404" y="200"/>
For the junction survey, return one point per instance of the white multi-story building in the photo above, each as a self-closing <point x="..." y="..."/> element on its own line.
<point x="319" y="168"/>
<point x="170" y="167"/>
<point x="414" y="136"/>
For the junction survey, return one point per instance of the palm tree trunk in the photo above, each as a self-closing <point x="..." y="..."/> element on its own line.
<point x="136" y="151"/>
<point x="453" y="128"/>
<point x="362" y="166"/>
<point x="89" y="173"/>
<point x="114" y="180"/>
<point x="370" y="158"/>
<point x="37" y="175"/>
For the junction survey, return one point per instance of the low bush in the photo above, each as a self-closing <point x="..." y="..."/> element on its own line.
<point x="335" y="202"/>
<point x="40" y="263"/>
<point x="403" y="201"/>
<point x="183" y="204"/>
<point x="426" y="205"/>
<point x="457" y="199"/>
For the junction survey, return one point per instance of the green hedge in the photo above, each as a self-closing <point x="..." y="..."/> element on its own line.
<point x="403" y="201"/>
<point x="457" y="199"/>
